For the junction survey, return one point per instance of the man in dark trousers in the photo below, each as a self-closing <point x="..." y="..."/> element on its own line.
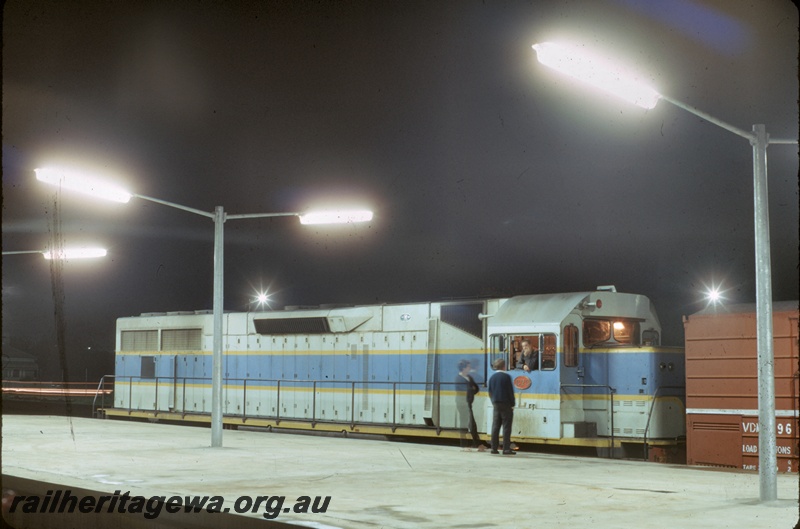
<point x="466" y="389"/>
<point x="501" y="391"/>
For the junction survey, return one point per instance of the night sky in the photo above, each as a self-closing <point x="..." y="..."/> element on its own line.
<point x="489" y="174"/>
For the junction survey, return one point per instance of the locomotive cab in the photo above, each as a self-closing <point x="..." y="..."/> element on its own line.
<point x="598" y="372"/>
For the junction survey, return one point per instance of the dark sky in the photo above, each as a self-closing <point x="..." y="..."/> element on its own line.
<point x="489" y="174"/>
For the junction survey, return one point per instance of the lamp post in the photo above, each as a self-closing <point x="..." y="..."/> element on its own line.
<point x="98" y="188"/>
<point x="620" y="82"/>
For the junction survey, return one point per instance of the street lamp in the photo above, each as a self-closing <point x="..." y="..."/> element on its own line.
<point x="714" y="296"/>
<point x="66" y="253"/>
<point x="79" y="182"/>
<point x="623" y="83"/>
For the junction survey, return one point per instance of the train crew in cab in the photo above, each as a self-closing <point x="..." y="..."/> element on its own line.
<point x="516" y="357"/>
<point x="501" y="391"/>
<point x="529" y="360"/>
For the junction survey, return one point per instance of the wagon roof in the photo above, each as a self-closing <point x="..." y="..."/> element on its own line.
<point x="746" y="308"/>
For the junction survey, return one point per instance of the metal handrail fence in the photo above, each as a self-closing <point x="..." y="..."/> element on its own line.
<point x="280" y="387"/>
<point x="650" y="414"/>
<point x="611" y="392"/>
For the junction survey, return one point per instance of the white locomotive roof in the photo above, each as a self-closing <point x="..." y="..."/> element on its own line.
<point x="546" y="310"/>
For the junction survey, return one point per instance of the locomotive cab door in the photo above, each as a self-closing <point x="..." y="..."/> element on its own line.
<point x="539" y="412"/>
<point x="164" y="382"/>
<point x="573" y="382"/>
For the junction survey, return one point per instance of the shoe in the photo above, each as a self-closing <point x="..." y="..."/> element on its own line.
<point x="495" y="452"/>
<point x="509" y="453"/>
<point x="482" y="448"/>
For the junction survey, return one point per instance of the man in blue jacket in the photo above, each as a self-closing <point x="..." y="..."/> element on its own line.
<point x="501" y="391"/>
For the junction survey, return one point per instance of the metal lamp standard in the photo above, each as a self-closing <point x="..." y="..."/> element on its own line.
<point x="78" y="182"/>
<point x="620" y="82"/>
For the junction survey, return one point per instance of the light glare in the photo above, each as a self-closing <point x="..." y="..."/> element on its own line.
<point x="336" y="217"/>
<point x="714" y="296"/>
<point x="76" y="253"/>
<point x="82" y="183"/>
<point x="598" y="72"/>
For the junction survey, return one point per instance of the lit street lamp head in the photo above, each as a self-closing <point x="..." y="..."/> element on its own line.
<point x="598" y="72"/>
<point x="81" y="183"/>
<point x="76" y="253"/>
<point x="66" y="253"/>
<point x="336" y="217"/>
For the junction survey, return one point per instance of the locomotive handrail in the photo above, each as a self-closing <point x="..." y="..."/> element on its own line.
<point x="278" y="383"/>
<point x="244" y="401"/>
<point x="611" y="392"/>
<point x="645" y="450"/>
<point x="314" y="404"/>
<point x="99" y="391"/>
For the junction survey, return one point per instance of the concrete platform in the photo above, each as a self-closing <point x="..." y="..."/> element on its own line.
<point x="371" y="484"/>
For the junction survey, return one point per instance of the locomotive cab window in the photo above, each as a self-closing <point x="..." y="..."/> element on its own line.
<point x="498" y="349"/>
<point x="650" y="337"/>
<point x="615" y="331"/>
<point x="570" y="334"/>
<point x="540" y="349"/>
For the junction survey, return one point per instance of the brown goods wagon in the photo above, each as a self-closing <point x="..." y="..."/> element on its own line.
<point x="722" y="386"/>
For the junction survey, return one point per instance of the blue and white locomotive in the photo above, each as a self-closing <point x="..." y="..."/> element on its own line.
<point x="601" y="379"/>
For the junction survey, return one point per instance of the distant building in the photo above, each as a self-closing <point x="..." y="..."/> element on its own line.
<point x="18" y="365"/>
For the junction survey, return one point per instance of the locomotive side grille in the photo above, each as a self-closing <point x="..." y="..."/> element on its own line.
<point x="292" y="326"/>
<point x="181" y="339"/>
<point x="464" y="316"/>
<point x="139" y="341"/>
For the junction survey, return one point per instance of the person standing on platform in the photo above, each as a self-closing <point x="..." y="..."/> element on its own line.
<point x="501" y="391"/>
<point x="466" y="389"/>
